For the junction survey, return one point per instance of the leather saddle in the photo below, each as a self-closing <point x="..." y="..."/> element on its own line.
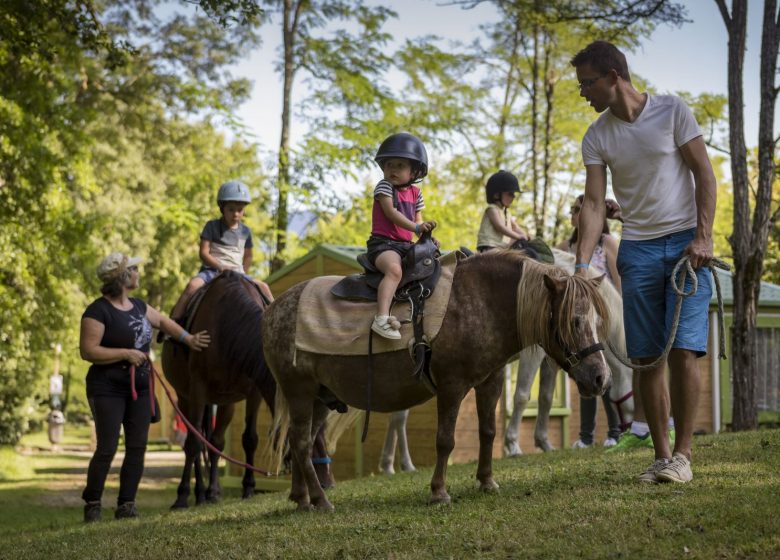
<point x="420" y="267"/>
<point x="536" y="248"/>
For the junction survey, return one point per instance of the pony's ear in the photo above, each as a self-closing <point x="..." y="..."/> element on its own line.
<point x="553" y="284"/>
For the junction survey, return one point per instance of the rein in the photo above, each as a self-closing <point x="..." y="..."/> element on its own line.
<point x="681" y="295"/>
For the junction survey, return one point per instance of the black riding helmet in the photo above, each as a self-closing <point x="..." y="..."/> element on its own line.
<point x="500" y="182"/>
<point x="404" y="145"/>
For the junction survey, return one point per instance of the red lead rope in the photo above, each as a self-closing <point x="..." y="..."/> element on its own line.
<point x="193" y="429"/>
<point x="133" y="391"/>
<point x="623" y="424"/>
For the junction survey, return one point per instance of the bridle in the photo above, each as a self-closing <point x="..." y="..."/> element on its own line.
<point x="573" y="359"/>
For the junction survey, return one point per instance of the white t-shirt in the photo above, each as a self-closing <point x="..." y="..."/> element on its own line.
<point x="652" y="183"/>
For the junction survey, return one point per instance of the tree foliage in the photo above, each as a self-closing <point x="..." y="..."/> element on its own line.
<point x="104" y="146"/>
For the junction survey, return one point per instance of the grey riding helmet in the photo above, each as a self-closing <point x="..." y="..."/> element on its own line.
<point x="500" y="182"/>
<point x="233" y="191"/>
<point x="404" y="145"/>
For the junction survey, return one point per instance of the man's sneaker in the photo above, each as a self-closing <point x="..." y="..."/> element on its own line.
<point x="650" y="475"/>
<point x="385" y="326"/>
<point x="629" y="440"/>
<point x="126" y="511"/>
<point x="579" y="444"/>
<point x="610" y="442"/>
<point x="91" y="512"/>
<point x="677" y="470"/>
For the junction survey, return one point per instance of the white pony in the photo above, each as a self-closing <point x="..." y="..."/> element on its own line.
<point x="529" y="363"/>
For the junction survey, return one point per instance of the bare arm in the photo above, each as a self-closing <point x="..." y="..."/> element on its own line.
<point x="386" y="204"/>
<point x="498" y="223"/>
<point x="89" y="346"/>
<point x="196" y="341"/>
<point x="695" y="155"/>
<point x="611" y="251"/>
<point x="592" y="213"/>
<point x="247" y="260"/>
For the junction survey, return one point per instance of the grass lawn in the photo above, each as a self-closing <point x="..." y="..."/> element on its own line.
<point x="557" y="505"/>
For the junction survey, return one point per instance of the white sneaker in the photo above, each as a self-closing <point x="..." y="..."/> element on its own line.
<point x="579" y="444"/>
<point x="676" y="470"/>
<point x="382" y="326"/>
<point x="650" y="475"/>
<point x="610" y="442"/>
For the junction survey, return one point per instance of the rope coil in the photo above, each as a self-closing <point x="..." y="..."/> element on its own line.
<point x="681" y="295"/>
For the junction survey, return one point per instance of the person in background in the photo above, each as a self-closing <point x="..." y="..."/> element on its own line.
<point x="116" y="331"/>
<point x="225" y="244"/>
<point x="603" y="261"/>
<point x="497" y="224"/>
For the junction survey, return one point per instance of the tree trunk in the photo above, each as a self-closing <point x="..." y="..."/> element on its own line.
<point x="749" y="238"/>
<point x="549" y="91"/>
<point x="289" y="28"/>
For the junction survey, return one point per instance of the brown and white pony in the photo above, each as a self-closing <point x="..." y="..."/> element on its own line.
<point x="500" y="303"/>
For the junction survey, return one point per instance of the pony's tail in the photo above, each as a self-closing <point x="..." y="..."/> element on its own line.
<point x="275" y="448"/>
<point x="337" y="424"/>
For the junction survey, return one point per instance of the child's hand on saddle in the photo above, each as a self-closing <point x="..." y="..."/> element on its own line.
<point x="198" y="341"/>
<point x="427" y="226"/>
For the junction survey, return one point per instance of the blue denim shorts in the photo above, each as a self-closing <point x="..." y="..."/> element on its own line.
<point x="645" y="269"/>
<point x="208" y="274"/>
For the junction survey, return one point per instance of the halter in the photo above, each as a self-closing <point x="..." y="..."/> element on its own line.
<point x="574" y="358"/>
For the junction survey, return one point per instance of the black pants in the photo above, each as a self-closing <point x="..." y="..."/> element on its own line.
<point x="110" y="413"/>
<point x="588" y="418"/>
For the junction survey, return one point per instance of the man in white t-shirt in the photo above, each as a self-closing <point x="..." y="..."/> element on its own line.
<point x="664" y="183"/>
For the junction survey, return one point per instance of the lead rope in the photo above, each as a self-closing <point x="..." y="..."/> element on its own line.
<point x="197" y="432"/>
<point x="681" y="295"/>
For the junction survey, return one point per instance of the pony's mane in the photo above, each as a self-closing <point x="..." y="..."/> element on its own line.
<point x="239" y="330"/>
<point x="534" y="304"/>
<point x="611" y="297"/>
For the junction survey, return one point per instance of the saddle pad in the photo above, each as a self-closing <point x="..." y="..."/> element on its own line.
<point x="332" y="326"/>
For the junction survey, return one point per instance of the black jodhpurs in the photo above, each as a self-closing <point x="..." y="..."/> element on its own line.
<point x="110" y="413"/>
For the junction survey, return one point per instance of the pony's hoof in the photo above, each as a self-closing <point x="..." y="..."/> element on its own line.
<point x="408" y="468"/>
<point x="490" y="486"/>
<point x="512" y="449"/>
<point x="440" y="500"/>
<point x="324" y="507"/>
<point x="386" y="469"/>
<point x="304" y="507"/>
<point x="179" y="505"/>
<point x="247" y="493"/>
<point x="328" y="484"/>
<point x="545" y="446"/>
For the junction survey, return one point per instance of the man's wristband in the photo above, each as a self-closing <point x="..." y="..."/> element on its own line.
<point x="184" y="334"/>
<point x="582" y="265"/>
<point x="417" y="229"/>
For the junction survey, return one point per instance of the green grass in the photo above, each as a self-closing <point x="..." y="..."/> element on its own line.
<point x="558" y="505"/>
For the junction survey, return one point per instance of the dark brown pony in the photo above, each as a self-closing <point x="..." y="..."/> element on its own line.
<point x="230" y="370"/>
<point x="500" y="303"/>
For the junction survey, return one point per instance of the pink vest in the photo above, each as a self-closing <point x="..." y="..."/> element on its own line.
<point x="407" y="203"/>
